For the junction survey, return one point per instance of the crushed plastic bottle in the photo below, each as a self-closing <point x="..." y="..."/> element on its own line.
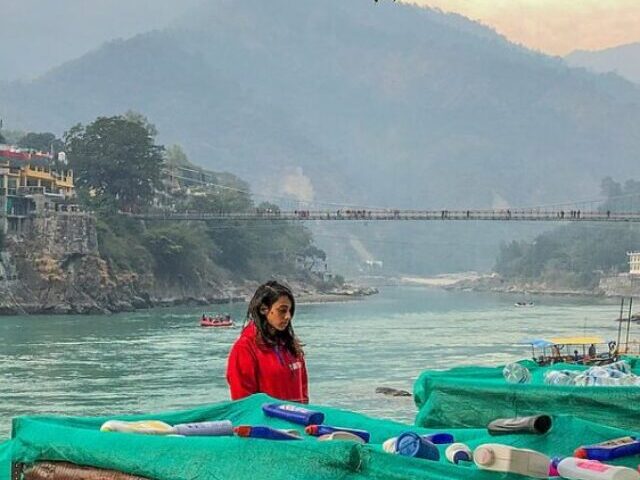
<point x="516" y="373"/>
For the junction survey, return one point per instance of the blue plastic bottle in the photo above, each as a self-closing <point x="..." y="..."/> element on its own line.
<point x="293" y="413"/>
<point x="610" y="450"/>
<point x="317" y="430"/>
<point x="439" y="438"/>
<point x="411" y="444"/>
<point x="259" y="431"/>
<point x="213" y="429"/>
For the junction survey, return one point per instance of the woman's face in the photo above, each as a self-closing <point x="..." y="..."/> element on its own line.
<point x="279" y="315"/>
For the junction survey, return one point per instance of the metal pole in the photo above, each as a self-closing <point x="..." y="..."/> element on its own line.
<point x="620" y="322"/>
<point x="626" y="348"/>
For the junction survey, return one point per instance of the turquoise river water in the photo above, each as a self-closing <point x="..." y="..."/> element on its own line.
<point x="161" y="359"/>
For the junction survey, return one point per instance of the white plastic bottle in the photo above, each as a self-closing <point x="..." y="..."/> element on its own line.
<point x="503" y="458"/>
<point x="458" y="452"/>
<point x="580" y="469"/>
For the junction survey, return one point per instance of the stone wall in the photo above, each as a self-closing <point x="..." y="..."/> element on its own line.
<point x="622" y="284"/>
<point x="60" y="234"/>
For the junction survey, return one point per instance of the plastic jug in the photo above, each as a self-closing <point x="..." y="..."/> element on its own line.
<point x="503" y="458"/>
<point x="458" y="452"/>
<point x="580" y="469"/>
<point x="293" y="413"/>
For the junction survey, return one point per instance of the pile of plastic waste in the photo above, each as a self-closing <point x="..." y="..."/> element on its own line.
<point x="614" y="374"/>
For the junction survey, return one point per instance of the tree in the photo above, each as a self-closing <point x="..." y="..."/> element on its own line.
<point x="43" y="142"/>
<point x="116" y="157"/>
<point x="2" y="139"/>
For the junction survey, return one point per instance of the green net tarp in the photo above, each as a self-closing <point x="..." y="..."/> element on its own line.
<point x="79" y="440"/>
<point x="473" y="396"/>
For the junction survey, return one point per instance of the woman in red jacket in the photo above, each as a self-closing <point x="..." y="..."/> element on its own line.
<point x="268" y="357"/>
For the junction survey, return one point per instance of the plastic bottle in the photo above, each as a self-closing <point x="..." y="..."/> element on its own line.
<point x="539" y="424"/>
<point x="389" y="445"/>
<point x="553" y="466"/>
<point x="458" y="452"/>
<point x="293" y="413"/>
<point x="516" y="373"/>
<point x="580" y="469"/>
<point x="217" y="428"/>
<point x="149" y="427"/>
<point x="411" y="444"/>
<point x="439" y="438"/>
<point x="503" y="458"/>
<point x="610" y="450"/>
<point x="340" y="435"/>
<point x="556" y="377"/>
<point x="318" y="430"/>
<point x="268" y="433"/>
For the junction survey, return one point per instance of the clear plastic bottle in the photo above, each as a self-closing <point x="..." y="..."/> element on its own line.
<point x="556" y="377"/>
<point x="516" y="373"/>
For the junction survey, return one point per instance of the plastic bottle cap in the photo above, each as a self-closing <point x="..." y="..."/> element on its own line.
<point x="461" y="456"/>
<point x="408" y="444"/>
<point x="484" y="456"/>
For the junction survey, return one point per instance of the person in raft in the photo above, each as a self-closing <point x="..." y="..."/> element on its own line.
<point x="268" y="357"/>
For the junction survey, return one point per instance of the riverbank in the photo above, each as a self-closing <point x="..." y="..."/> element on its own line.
<point x="494" y="283"/>
<point x="93" y="289"/>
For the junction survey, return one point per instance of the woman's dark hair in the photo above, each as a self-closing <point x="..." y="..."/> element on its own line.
<point x="266" y="295"/>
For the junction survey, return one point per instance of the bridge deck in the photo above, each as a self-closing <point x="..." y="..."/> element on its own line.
<point x="528" y="215"/>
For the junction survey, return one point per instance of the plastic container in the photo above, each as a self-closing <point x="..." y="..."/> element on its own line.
<point x="580" y="469"/>
<point x="458" y="452"/>
<point x="149" y="427"/>
<point x="267" y="433"/>
<point x="389" y="445"/>
<point x="557" y="377"/>
<point x="516" y="373"/>
<point x="339" y="435"/>
<point x="318" y="430"/>
<point x="503" y="458"/>
<point x="553" y="466"/>
<point x="538" y="424"/>
<point x="293" y="413"/>
<point x="439" y="438"/>
<point x="610" y="450"/>
<point x="214" y="429"/>
<point x="411" y="444"/>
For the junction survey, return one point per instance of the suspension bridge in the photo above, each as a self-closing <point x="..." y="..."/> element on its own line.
<point x="514" y="215"/>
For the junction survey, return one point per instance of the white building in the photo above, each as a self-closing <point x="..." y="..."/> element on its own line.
<point x="634" y="263"/>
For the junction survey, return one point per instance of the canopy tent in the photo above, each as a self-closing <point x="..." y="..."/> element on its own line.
<point x="78" y="440"/>
<point x="473" y="396"/>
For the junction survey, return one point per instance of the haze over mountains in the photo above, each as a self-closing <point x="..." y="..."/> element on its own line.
<point x="623" y="60"/>
<point x="378" y="104"/>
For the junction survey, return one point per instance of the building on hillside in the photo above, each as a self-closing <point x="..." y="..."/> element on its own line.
<point x="634" y="263"/>
<point x="32" y="183"/>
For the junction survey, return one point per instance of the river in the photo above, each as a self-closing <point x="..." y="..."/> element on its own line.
<point x="161" y="359"/>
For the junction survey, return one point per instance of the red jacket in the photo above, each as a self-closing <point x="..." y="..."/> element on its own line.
<point x="253" y="368"/>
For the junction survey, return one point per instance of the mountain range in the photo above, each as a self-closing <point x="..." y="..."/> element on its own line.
<point x="355" y="102"/>
<point x="623" y="60"/>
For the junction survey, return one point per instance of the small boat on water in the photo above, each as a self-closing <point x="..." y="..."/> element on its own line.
<point x="216" y="321"/>
<point x="524" y="304"/>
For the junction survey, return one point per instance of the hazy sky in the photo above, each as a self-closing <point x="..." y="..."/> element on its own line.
<point x="37" y="35"/>
<point x="554" y="26"/>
